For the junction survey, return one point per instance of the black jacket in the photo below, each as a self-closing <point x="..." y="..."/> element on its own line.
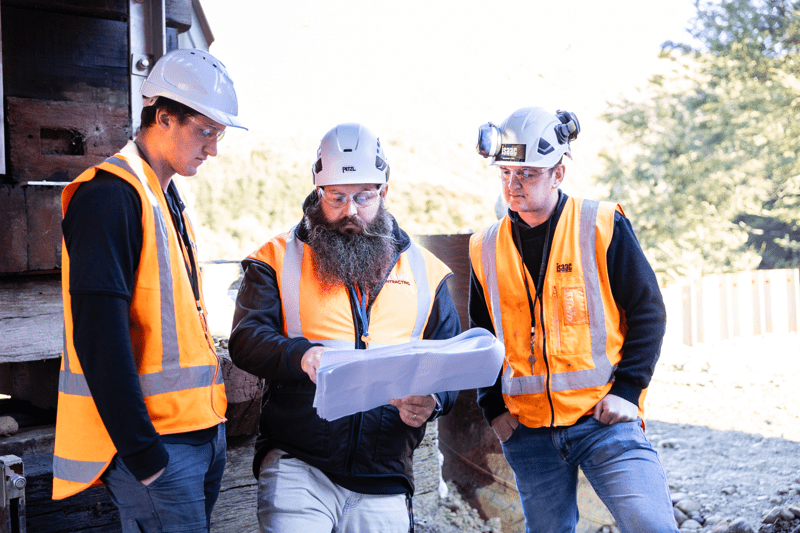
<point x="369" y="452"/>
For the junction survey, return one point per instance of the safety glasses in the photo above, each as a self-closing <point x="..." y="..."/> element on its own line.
<point x="207" y="131"/>
<point x="361" y="199"/>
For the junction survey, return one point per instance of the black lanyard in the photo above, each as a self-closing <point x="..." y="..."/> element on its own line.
<point x="542" y="267"/>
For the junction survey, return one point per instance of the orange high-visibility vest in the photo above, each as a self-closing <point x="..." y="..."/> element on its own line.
<point x="583" y="327"/>
<point x="399" y="313"/>
<point x="178" y="367"/>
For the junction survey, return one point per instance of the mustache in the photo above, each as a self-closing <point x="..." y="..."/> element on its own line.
<point x="342" y="224"/>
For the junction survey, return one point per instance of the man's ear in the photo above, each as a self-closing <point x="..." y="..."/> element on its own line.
<point x="385" y="191"/>
<point x="560" y="170"/>
<point x="163" y="118"/>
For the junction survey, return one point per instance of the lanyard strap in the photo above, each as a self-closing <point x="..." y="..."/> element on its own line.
<point x="540" y="281"/>
<point x="361" y="309"/>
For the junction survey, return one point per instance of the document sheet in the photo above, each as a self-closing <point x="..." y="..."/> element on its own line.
<point x="350" y="381"/>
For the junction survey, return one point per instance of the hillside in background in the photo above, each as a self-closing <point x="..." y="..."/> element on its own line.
<point x="248" y="194"/>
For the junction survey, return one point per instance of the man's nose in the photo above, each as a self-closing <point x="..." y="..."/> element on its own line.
<point x="351" y="207"/>
<point x="211" y="147"/>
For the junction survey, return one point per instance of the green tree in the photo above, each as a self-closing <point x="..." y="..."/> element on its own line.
<point x="707" y="164"/>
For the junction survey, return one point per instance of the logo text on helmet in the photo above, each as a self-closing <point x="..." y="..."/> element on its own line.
<point x="511" y="152"/>
<point x="348" y="169"/>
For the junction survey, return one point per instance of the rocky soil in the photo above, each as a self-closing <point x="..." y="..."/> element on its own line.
<point x="725" y="419"/>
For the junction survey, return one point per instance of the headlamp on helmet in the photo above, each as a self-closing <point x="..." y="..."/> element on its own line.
<point x="531" y="136"/>
<point x="569" y="128"/>
<point x="488" y="140"/>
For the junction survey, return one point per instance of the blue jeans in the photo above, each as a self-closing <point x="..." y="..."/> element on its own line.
<point x="180" y="499"/>
<point x="618" y="461"/>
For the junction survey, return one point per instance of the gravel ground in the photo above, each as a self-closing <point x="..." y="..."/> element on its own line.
<point x="725" y="419"/>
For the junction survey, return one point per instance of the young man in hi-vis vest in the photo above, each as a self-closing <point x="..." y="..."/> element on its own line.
<point x="345" y="277"/>
<point x="141" y="404"/>
<point x="563" y="283"/>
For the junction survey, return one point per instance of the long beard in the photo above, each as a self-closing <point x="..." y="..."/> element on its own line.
<point x="344" y="256"/>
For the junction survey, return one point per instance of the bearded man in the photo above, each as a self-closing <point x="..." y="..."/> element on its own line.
<point x="346" y="277"/>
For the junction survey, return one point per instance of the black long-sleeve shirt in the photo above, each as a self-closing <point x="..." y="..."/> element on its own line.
<point x="635" y="290"/>
<point x="103" y="236"/>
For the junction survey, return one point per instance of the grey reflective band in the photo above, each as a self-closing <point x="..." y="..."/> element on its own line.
<point x="172" y="377"/>
<point x="76" y="471"/>
<point x="169" y="327"/>
<point x="489" y="262"/>
<point x="602" y="371"/>
<point x="577" y="379"/>
<point x="417" y="262"/>
<point x="290" y="284"/>
<point x="290" y="293"/>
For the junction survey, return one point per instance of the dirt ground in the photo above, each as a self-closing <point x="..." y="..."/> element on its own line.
<point x="725" y="419"/>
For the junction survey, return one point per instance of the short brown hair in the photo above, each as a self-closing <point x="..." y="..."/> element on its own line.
<point x="179" y="110"/>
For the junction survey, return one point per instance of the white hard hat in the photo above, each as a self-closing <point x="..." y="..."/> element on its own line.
<point x="196" y="79"/>
<point x="348" y="154"/>
<point x="530" y="137"/>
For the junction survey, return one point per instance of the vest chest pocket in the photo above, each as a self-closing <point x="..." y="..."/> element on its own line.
<point x="568" y="328"/>
<point x="574" y="303"/>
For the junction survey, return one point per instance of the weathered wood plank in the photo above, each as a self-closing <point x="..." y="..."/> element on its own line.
<point x="13" y="231"/>
<point x="31" y="319"/>
<point x="57" y="56"/>
<point x="96" y="132"/>
<point x="236" y="507"/>
<point x="43" y="209"/>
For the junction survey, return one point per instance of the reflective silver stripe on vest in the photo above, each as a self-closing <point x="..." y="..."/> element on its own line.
<point x="290" y="284"/>
<point x="489" y="261"/>
<point x="601" y="373"/>
<point x="290" y="293"/>
<point x="578" y="379"/>
<point x="76" y="471"/>
<point x="69" y="382"/>
<point x="420" y="272"/>
<point x="169" y="327"/>
<point x="172" y="377"/>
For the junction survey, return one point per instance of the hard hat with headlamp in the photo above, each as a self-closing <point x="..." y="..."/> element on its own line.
<point x="196" y="79"/>
<point x="349" y="154"/>
<point x="530" y="137"/>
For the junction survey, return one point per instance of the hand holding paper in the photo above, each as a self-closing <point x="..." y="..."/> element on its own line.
<point x="350" y="381"/>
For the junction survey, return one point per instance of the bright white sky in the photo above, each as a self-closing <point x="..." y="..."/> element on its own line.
<point x="434" y="70"/>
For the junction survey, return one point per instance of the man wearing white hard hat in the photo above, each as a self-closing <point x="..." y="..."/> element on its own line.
<point x="345" y="277"/>
<point x="141" y="404"/>
<point x="564" y="284"/>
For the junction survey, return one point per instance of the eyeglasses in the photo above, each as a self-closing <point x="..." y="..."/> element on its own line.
<point x="207" y="131"/>
<point x="524" y="174"/>
<point x="361" y="198"/>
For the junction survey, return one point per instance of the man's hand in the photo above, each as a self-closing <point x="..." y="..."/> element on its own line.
<point x="310" y="361"/>
<point x="613" y="409"/>
<point x="504" y="425"/>
<point x="415" y="410"/>
<point x="148" y="480"/>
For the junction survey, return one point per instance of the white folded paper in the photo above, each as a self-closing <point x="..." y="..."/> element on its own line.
<point x="351" y="381"/>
